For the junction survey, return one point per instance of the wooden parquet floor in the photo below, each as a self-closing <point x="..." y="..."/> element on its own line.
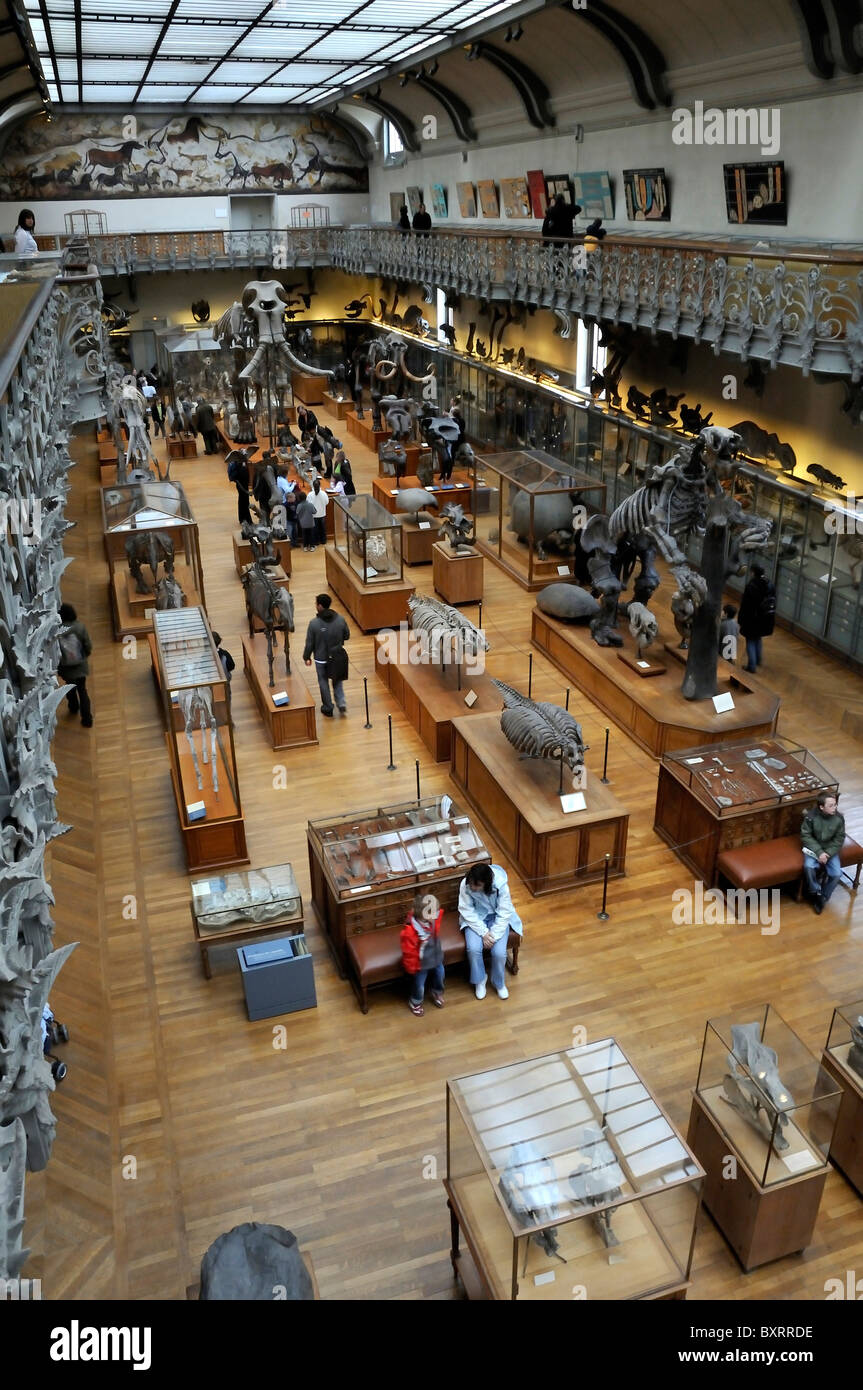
<point x="179" y="1118"/>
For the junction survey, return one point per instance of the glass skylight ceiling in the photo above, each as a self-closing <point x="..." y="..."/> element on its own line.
<point x="305" y="52"/>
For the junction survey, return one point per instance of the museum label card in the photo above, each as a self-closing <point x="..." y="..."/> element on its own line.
<point x="424" y="525"/>
<point x="471" y="698"/>
<point x="795" y="1163"/>
<point x="363" y="888"/>
<point x="394" y="492"/>
<point x="281" y="697"/>
<point x="825" y="579"/>
<point x="694" y="760"/>
<point x="573" y="801"/>
<point x="721" y="703"/>
<point x="148" y="612"/>
<point x="197" y="810"/>
<point x="547" y="1278"/>
<point x="563" y="569"/>
<point x="645" y="665"/>
<point x="373" y="574"/>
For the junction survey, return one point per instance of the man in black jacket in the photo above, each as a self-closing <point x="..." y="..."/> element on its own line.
<point x="560" y="217"/>
<point x="422" y="221"/>
<point x="326" y="636"/>
<point x="757" y="615"/>
<point x="207" y="426"/>
<point x="73" y="667"/>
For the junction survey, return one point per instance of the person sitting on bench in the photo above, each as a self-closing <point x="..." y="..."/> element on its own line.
<point x="823" y="835"/>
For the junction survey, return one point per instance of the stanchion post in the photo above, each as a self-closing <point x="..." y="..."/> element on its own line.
<point x="566" y="706"/>
<point x="479" y="617"/>
<point x="603" y="915"/>
<point x="560" y="787"/>
<point x="368" y="723"/>
<point x="390" y="765"/>
<point x="530" y="675"/>
<point x="419" y="796"/>
<point x="604" y="777"/>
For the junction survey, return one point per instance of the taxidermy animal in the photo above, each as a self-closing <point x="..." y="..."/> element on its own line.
<point x="149" y="548"/>
<point x="169" y="594"/>
<point x="457" y="527"/>
<point x="637" y="402"/>
<point x="643" y="626"/>
<point x="197" y="703"/>
<point x="449" y="333"/>
<point x="691" y="419"/>
<point x="201" y="311"/>
<point x="414" y="500"/>
<point x="274" y="607"/>
<point x="539" y="730"/>
<point x="260" y="539"/>
<point x="357" y="306"/>
<point x="440" y="622"/>
<point x="758" y="444"/>
<point x="823" y="475"/>
<point x="468" y="347"/>
<point x="761" y="1102"/>
<point x="506" y="356"/>
<point x="663" y="405"/>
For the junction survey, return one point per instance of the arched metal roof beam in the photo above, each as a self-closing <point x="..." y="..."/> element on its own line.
<point x="643" y="59"/>
<point x="534" y="94"/>
<point x="403" y="124"/>
<point x="814" y="37"/>
<point x="458" y="110"/>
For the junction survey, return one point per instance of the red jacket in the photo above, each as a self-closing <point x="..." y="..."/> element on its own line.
<point x="411" y="944"/>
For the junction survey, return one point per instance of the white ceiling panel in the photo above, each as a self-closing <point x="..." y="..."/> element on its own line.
<point x="109" y="93"/>
<point x="201" y="39"/>
<point x="232" y="71"/>
<point x="274" y="96"/>
<point x="223" y="94"/>
<point x="183" y="71"/>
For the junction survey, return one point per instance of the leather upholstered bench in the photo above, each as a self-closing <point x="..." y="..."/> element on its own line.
<point x="375" y="957"/>
<point x="779" y="861"/>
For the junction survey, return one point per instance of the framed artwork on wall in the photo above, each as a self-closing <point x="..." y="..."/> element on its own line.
<point x="536" y="188"/>
<point x="558" y="183"/>
<point x="488" y="197"/>
<point x="756" y="193"/>
<point x="415" y="197"/>
<point x="593" y="193"/>
<point x="514" y="197"/>
<point x="466" y="199"/>
<point x="397" y="202"/>
<point x="438" y="197"/>
<point x="646" y="195"/>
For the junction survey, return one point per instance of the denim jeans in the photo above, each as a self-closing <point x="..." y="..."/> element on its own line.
<point x="323" y="682"/>
<point x="473" y="946"/>
<point x="418" y="985"/>
<point x="814" y="872"/>
<point x="753" y="652"/>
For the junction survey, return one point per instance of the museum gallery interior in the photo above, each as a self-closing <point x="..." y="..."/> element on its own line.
<point x="332" y="321"/>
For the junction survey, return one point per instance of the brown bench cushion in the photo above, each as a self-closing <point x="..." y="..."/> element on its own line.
<point x="377" y="955"/>
<point x="775" y="861"/>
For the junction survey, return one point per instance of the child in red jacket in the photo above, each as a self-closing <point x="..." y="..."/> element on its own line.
<point x="422" y="952"/>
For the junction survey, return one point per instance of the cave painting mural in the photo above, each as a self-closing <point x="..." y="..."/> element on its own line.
<point x="97" y="154"/>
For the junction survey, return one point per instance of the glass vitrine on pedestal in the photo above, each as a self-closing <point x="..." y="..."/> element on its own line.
<point x="524" y="507"/>
<point x="237" y="906"/>
<point x="200" y="739"/>
<point x="368" y="538"/>
<point x="766" y="1102"/>
<point x="843" y="1061"/>
<point x="564" y="1174"/>
<point x="130" y="513"/>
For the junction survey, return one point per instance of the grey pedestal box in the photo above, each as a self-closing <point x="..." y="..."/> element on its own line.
<point x="276" y="980"/>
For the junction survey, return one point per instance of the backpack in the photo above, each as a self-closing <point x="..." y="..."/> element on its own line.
<point x="71" y="649"/>
<point x="235" y="470"/>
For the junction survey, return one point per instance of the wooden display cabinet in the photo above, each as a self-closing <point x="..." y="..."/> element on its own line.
<point x="519" y="799"/>
<point x="842" y="1060"/>
<point x="384" y="490"/>
<point x="432" y="695"/>
<point x="565" y="1172"/>
<point x="203" y="762"/>
<point x="229" y="910"/>
<point x="718" y="797"/>
<point x="338" y="405"/>
<point x="132" y="509"/>
<point x="288" y="726"/>
<point x="767" y="1205"/>
<point x="308" y="389"/>
<point x="364" y="563"/>
<point x="363" y="430"/>
<point x="366" y="868"/>
<point x="418" y="538"/>
<point x="457" y="574"/>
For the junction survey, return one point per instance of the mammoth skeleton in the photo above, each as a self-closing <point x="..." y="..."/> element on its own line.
<point x="264" y="303"/>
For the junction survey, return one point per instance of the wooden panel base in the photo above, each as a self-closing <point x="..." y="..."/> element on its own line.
<point x="338" y="407"/>
<point x="846" y="1146"/>
<point x="362" y="430"/>
<point x="372" y="606"/>
<point x="641" y="665"/>
<point x="430" y="695"/>
<point x="760" y="1223"/>
<point x="243" y="553"/>
<point x="416" y="543"/>
<point x="288" y="726"/>
<point x="652" y="712"/>
<point x="384" y="490"/>
<point x="182" y="446"/>
<point x="457" y="574"/>
<point x="308" y="389"/>
<point x="413" y="454"/>
<point x="519" y="800"/>
<point x="107" y="474"/>
<point x="214" y="844"/>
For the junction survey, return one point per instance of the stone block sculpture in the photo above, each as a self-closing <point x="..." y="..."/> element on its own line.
<point x="255" y="1262"/>
<point x="539" y="730"/>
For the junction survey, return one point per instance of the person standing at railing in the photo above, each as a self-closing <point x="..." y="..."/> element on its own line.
<point x="404" y="222"/>
<point x="559" y="218"/>
<point x="422" y="221"/>
<point x="25" y="241"/>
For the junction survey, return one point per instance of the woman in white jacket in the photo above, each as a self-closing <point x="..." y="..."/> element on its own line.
<point x="25" y="242"/>
<point x="485" y="915"/>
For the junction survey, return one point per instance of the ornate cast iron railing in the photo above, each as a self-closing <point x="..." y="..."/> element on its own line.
<point x="801" y="306"/>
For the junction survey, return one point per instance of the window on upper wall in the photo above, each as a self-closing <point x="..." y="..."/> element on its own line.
<point x="590" y="357"/>
<point x="392" y="140"/>
<point x="444" y="315"/>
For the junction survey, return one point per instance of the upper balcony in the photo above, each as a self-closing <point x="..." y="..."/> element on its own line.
<point x="801" y="306"/>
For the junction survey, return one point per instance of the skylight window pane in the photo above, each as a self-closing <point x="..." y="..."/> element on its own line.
<point x="479" y="11"/>
<point x="277" y="43"/>
<point x="70" y="93"/>
<point x="109" y="92"/>
<point x="52" y="92"/>
<point x="245" y="72"/>
<point x="189" y="71"/>
<point x="349" y="46"/>
<point x="407" y="16"/>
<point x="67" y="69"/>
<point x="239" y="9"/>
<point x="326" y="11"/>
<point x="113" y="38"/>
<point x="200" y="38"/>
<point x="402" y="48"/>
<point x="273" y="96"/>
<point x="209" y="93"/>
<point x="38" y="30"/>
<point x="63" y="31"/>
<point x="174" y="94"/>
<point x="102" y="70"/>
<point x="316" y="73"/>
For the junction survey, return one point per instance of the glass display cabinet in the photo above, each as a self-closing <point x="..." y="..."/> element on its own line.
<point x="843" y="1061"/>
<point x="200" y="739"/>
<point x="566" y="1179"/>
<point x="366" y="868"/>
<point x="724" y="795"/>
<point x="523" y="503"/>
<point x="368" y="538"/>
<point x="142" y="523"/>
<point x="763" y="1099"/>
<point x="237" y="906"/>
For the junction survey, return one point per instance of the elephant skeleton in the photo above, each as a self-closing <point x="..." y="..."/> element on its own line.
<point x="264" y="303"/>
<point x="196" y="703"/>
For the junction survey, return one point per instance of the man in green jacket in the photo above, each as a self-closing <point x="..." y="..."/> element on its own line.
<point x="73" y="667"/>
<point x="823" y="835"/>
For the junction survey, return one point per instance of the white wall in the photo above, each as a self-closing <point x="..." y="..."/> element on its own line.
<point x="820" y="144"/>
<point x="176" y="214"/>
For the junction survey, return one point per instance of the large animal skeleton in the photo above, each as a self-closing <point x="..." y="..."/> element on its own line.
<point x="149" y="548"/>
<point x="445" y="627"/>
<point x="458" y="528"/>
<point x="264" y="303"/>
<point x="273" y="606"/>
<point x="169" y="594"/>
<point x="539" y="730"/>
<point x="137" y="453"/>
<point x="597" y="1179"/>
<point x="529" y="1187"/>
<point x="760" y="1096"/>
<point x="197" y="703"/>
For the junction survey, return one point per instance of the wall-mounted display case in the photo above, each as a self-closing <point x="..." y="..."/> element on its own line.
<point x="725" y="795"/>
<point x="128" y="511"/>
<point x="368" y="538"/>
<point x="843" y="1061"/>
<point x="366" y="867"/>
<point x="763" y="1098"/>
<point x="523" y="503"/>
<point x="200" y="739"/>
<point x="564" y="1172"/>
